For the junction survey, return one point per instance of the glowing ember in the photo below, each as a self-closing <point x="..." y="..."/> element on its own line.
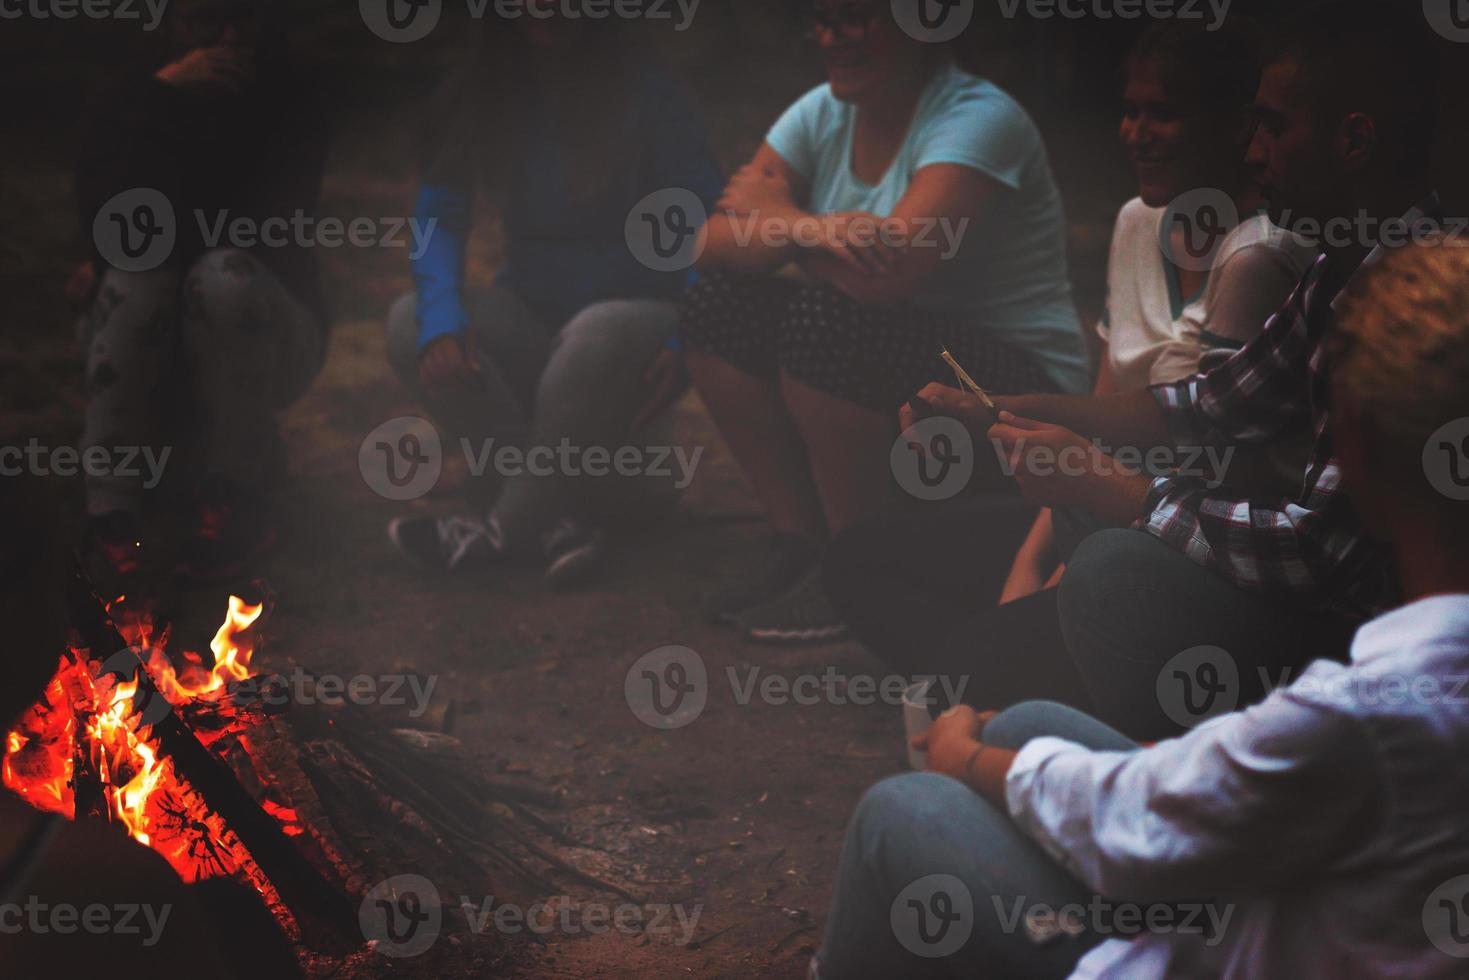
<point x="86" y="744"/>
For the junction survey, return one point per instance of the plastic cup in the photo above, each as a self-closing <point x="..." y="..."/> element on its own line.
<point x="917" y="720"/>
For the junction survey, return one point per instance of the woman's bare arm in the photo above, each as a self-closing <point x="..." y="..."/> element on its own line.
<point x="764" y="197"/>
<point x="926" y="229"/>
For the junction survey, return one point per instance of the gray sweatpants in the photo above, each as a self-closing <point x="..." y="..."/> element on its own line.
<point x="209" y="357"/>
<point x="580" y="385"/>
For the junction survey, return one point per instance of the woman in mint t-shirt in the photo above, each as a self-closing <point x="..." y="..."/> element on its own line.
<point x="903" y="207"/>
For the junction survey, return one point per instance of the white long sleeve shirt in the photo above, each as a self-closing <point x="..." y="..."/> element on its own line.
<point x="1334" y="817"/>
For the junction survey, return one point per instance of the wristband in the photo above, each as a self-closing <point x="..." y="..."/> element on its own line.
<point x="969" y="766"/>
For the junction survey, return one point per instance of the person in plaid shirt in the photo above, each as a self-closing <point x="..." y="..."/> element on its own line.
<point x="1318" y="835"/>
<point x="1225" y="565"/>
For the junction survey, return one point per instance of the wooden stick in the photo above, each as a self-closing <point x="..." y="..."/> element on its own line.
<point x="967" y="381"/>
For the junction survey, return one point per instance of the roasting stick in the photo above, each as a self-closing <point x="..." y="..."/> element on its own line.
<point x="967" y="381"/>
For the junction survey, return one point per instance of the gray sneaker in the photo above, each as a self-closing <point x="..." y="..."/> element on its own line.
<point x="443" y="544"/>
<point x="800" y="615"/>
<point x="787" y="557"/>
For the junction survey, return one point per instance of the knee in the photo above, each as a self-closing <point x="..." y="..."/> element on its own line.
<point x="1101" y="564"/>
<point x="905" y="805"/>
<point x="606" y="347"/>
<point x="1014" y="727"/>
<point x="626" y="329"/>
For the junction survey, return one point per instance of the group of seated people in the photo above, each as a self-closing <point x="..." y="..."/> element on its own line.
<point x="1316" y="372"/>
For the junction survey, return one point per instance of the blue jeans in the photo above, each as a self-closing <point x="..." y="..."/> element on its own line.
<point x="913" y="826"/>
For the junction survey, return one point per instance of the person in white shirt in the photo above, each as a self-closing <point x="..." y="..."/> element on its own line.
<point x="1196" y="266"/>
<point x="1320" y="833"/>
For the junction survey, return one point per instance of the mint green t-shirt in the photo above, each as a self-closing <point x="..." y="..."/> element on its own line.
<point x="1009" y="272"/>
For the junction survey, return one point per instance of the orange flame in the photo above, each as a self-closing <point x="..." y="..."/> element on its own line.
<point x="141" y="790"/>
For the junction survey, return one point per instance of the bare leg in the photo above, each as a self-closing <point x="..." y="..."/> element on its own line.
<point x="848" y="450"/>
<point x="752" y="418"/>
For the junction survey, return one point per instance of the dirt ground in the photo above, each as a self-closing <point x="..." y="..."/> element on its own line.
<point x="737" y="817"/>
<point x="742" y="810"/>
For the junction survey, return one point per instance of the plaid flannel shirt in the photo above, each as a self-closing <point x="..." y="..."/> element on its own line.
<point x="1313" y="546"/>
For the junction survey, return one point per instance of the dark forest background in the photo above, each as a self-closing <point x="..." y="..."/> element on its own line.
<point x="745" y="59"/>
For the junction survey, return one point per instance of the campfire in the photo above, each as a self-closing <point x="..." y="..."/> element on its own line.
<point x="96" y="746"/>
<point x="212" y="765"/>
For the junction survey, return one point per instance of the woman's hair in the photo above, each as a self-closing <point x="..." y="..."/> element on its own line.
<point x="1401" y="346"/>
<point x="1214" y="69"/>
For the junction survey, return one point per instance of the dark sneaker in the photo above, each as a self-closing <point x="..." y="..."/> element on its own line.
<point x="443" y="544"/>
<point x="112" y="551"/>
<point x="786" y="560"/>
<point x="575" y="554"/>
<point x="800" y="615"/>
<point x="231" y="530"/>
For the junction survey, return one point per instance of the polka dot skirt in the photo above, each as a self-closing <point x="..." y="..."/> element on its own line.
<point x="876" y="357"/>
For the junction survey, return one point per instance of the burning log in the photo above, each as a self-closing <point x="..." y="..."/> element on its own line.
<point x="313" y="806"/>
<point x="327" y="920"/>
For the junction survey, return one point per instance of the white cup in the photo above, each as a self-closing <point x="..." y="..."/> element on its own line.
<point x="917" y="721"/>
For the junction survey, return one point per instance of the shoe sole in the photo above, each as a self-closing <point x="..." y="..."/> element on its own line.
<point x="575" y="568"/>
<point x="398" y="546"/>
<point x="820" y="634"/>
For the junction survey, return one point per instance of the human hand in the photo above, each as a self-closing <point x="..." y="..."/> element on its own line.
<point x="754" y="188"/>
<point x="447" y="362"/>
<point x="1058" y="468"/>
<point x="856" y="239"/>
<point x="940" y="399"/>
<point x="952" y="740"/>
<point x="223" y="66"/>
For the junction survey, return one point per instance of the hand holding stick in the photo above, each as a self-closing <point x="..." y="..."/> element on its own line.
<point x="967" y="381"/>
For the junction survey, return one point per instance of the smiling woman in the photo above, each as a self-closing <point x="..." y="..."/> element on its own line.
<point x="821" y="308"/>
<point x="1186" y="125"/>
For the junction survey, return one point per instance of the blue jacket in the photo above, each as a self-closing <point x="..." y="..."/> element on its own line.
<point x="562" y="258"/>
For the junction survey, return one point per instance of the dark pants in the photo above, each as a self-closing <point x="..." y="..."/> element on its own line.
<point x="1138" y="635"/>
